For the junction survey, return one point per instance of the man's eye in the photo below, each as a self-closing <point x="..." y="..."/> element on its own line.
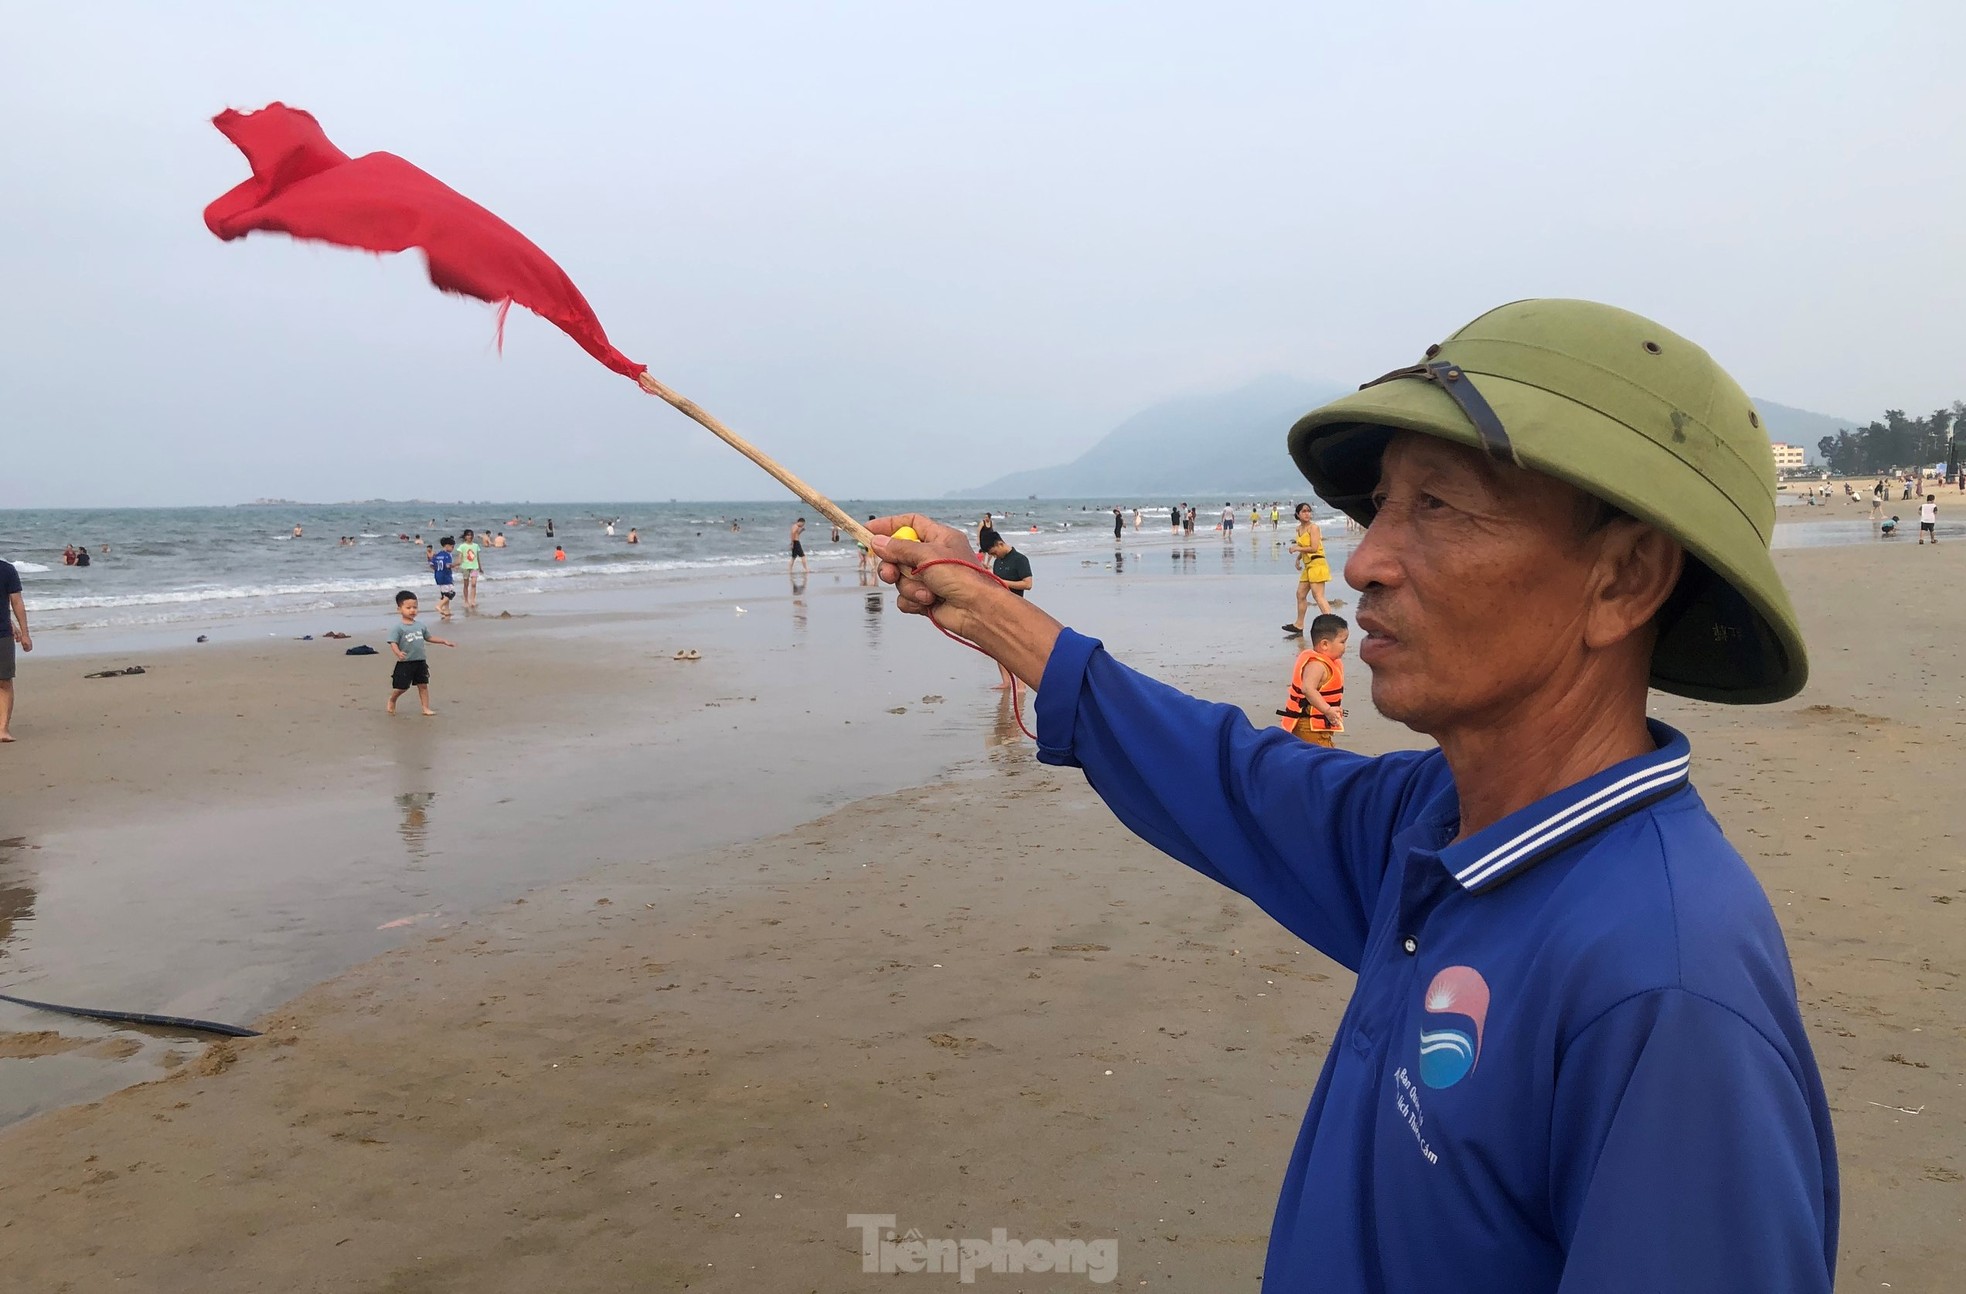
<point x="1378" y="500"/>
<point x="1428" y="503"/>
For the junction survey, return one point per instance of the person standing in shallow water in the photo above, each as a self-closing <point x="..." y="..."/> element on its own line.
<point x="468" y="568"/>
<point x="799" y="548"/>
<point x="13" y="633"/>
<point x="1313" y="570"/>
<point x="1014" y="569"/>
<point x="866" y="558"/>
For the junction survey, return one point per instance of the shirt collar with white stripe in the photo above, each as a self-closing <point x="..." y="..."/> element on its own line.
<point x="1524" y="838"/>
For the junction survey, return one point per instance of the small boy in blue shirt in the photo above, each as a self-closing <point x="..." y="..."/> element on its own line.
<point x="441" y="563"/>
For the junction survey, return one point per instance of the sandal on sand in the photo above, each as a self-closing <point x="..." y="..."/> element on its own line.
<point x="1293" y="631"/>
<point x="688" y="653"/>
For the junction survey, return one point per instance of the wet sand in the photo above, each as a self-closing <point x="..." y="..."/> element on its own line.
<point x="683" y="1068"/>
<point x="242" y="821"/>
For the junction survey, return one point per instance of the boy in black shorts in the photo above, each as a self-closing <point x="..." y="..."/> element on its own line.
<point x="406" y="640"/>
<point x="442" y="564"/>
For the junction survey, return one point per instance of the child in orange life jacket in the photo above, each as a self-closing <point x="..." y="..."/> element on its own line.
<point x="559" y="553"/>
<point x="1314" y="707"/>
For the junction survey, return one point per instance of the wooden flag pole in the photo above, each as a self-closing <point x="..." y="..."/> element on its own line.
<point x="825" y="506"/>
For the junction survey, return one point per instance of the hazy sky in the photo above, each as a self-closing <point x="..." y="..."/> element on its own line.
<point x="910" y="246"/>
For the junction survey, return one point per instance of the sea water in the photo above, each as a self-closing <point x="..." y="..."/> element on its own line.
<point x="163" y="566"/>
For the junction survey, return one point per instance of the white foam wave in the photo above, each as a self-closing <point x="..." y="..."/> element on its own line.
<point x="177" y="597"/>
<point x="31" y="568"/>
<point x="213" y="593"/>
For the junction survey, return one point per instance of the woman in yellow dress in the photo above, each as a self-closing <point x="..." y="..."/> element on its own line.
<point x="1313" y="570"/>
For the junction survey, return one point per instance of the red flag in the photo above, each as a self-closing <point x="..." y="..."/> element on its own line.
<point x="304" y="186"/>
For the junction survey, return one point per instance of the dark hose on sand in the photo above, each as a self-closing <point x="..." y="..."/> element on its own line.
<point x="137" y="1017"/>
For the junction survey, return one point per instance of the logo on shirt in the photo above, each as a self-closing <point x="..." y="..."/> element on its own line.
<point x="1451" y="1047"/>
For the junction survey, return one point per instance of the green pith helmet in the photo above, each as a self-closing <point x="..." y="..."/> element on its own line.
<point x="1626" y="411"/>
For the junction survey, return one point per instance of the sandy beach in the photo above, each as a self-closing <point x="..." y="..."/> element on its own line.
<point x="720" y="930"/>
<point x="691" y="978"/>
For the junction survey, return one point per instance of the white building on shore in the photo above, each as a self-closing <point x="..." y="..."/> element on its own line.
<point x="1789" y="458"/>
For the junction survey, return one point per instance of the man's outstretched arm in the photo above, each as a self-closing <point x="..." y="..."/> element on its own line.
<point x="1302" y="830"/>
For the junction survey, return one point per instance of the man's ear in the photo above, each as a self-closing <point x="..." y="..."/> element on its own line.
<point x="1637" y="568"/>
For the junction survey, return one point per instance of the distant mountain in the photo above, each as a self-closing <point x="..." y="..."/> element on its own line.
<point x="1799" y="426"/>
<point x="1228" y="443"/>
<point x="1231" y="443"/>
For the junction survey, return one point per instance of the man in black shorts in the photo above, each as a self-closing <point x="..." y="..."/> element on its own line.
<point x="13" y="630"/>
<point x="798" y="548"/>
<point x="1010" y="566"/>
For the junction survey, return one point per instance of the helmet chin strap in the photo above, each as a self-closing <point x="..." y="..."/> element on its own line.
<point x="1461" y="388"/>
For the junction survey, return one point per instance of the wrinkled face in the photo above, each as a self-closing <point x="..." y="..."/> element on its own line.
<point x="1474" y="583"/>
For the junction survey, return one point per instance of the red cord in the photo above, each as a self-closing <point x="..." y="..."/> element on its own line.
<point x="1016" y="705"/>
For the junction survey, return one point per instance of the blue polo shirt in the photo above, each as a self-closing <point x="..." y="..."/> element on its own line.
<point x="1573" y="1059"/>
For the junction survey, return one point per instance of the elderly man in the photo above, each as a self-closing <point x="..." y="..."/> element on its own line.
<point x="1573" y="1059"/>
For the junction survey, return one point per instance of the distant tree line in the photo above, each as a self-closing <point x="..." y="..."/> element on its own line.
<point x="1896" y="442"/>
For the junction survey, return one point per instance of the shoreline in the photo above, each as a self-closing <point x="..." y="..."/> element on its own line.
<point x="109" y="612"/>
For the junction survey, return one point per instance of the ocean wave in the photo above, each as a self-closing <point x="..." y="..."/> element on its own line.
<point x="216" y="593"/>
<point x="178" y="597"/>
<point x="32" y="568"/>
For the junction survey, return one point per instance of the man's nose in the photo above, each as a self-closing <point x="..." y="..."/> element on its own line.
<point x="1374" y="561"/>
